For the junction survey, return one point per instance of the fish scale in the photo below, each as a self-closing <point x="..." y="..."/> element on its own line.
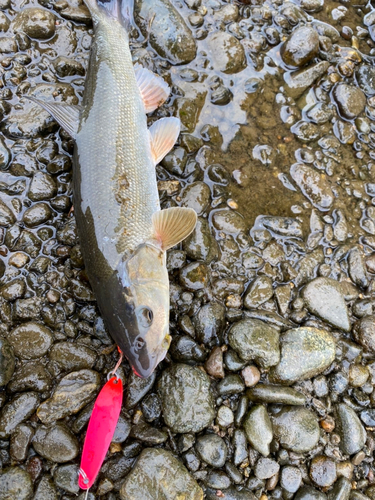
<point x="114" y="153"/>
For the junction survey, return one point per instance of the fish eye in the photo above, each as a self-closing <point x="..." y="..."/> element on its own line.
<point x="145" y="316"/>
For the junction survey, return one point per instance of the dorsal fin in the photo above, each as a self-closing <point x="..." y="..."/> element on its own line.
<point x="66" y="115"/>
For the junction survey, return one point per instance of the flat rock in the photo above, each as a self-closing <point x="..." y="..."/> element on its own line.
<point x="72" y="393"/>
<point x="158" y="474"/>
<point x="305" y="352"/>
<point x="255" y="340"/>
<point x="186" y="397"/>
<point x="323" y="297"/>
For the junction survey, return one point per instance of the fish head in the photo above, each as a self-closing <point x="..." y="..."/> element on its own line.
<point x="145" y="283"/>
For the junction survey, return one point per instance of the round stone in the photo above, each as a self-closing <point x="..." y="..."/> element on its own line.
<point x="364" y="333"/>
<point x="350" y="100"/>
<point x="323" y="471"/>
<point x="35" y="22"/>
<point x="266" y="468"/>
<point x="296" y="429"/>
<point x="301" y="47"/>
<point x="186" y="398"/>
<point x="290" y="478"/>
<point x="15" y="484"/>
<point x="56" y="443"/>
<point x="225" y="416"/>
<point x="30" y="340"/>
<point x="212" y="450"/>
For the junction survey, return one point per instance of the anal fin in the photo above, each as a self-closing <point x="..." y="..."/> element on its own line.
<point x="154" y="90"/>
<point x="164" y="134"/>
<point x="66" y="115"/>
<point x="173" y="225"/>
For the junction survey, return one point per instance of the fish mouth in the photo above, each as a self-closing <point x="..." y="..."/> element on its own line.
<point x="141" y="361"/>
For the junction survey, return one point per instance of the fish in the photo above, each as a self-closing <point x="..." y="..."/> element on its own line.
<point x="124" y="234"/>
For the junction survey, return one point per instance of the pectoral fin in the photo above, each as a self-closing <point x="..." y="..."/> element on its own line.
<point x="163" y="134"/>
<point x="154" y="90"/>
<point x="66" y="115"/>
<point x="173" y="225"/>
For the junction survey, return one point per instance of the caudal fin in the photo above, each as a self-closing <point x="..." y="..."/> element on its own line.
<point x="118" y="9"/>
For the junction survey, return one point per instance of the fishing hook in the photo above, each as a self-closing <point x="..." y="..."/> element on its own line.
<point x="113" y="372"/>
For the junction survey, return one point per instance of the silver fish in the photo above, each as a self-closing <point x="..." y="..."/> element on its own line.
<point x="123" y="233"/>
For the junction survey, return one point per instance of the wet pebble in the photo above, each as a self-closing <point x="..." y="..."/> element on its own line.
<point x="323" y="471"/>
<point x="15" y="484"/>
<point x="259" y="292"/>
<point x="72" y="393"/>
<point x="227" y="53"/>
<point x="14" y="290"/>
<point x="305" y="352"/>
<point x="214" y="365"/>
<point x="31" y="376"/>
<point x="350" y="100"/>
<point x="366" y="79"/>
<point x="290" y="478"/>
<point x="65" y="477"/>
<point x="323" y="297"/>
<point x="19" y="409"/>
<point x="42" y="187"/>
<point x="35" y="23"/>
<point x="201" y="245"/>
<point x="72" y="356"/>
<point x="301" y="47"/>
<point x="341" y="490"/>
<point x="250" y="375"/>
<point x="7" y="217"/>
<point x="231" y="384"/>
<point x="309" y="493"/>
<point x="364" y="333"/>
<point x="210" y="323"/>
<point x="350" y="429"/>
<point x="137" y="388"/>
<point x="297" y="82"/>
<point x="313" y="185"/>
<point x="148" y="434"/>
<point x="256" y="341"/>
<point x="296" y="429"/>
<point x="266" y="468"/>
<point x="30" y="340"/>
<point x="276" y="394"/>
<point x="186" y="398"/>
<point x="168" y="34"/>
<point x="55" y="443"/>
<point x="20" y="442"/>
<point x="228" y="221"/>
<point x="158" y="473"/>
<point x="212" y="450"/>
<point x="194" y="276"/>
<point x="258" y="428"/>
<point x="196" y="196"/>
<point x="37" y="214"/>
<point x="7" y="362"/>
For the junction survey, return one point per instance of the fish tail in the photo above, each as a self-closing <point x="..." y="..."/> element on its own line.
<point x="122" y="10"/>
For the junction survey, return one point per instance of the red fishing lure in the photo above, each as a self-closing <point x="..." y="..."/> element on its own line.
<point x="100" y="430"/>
